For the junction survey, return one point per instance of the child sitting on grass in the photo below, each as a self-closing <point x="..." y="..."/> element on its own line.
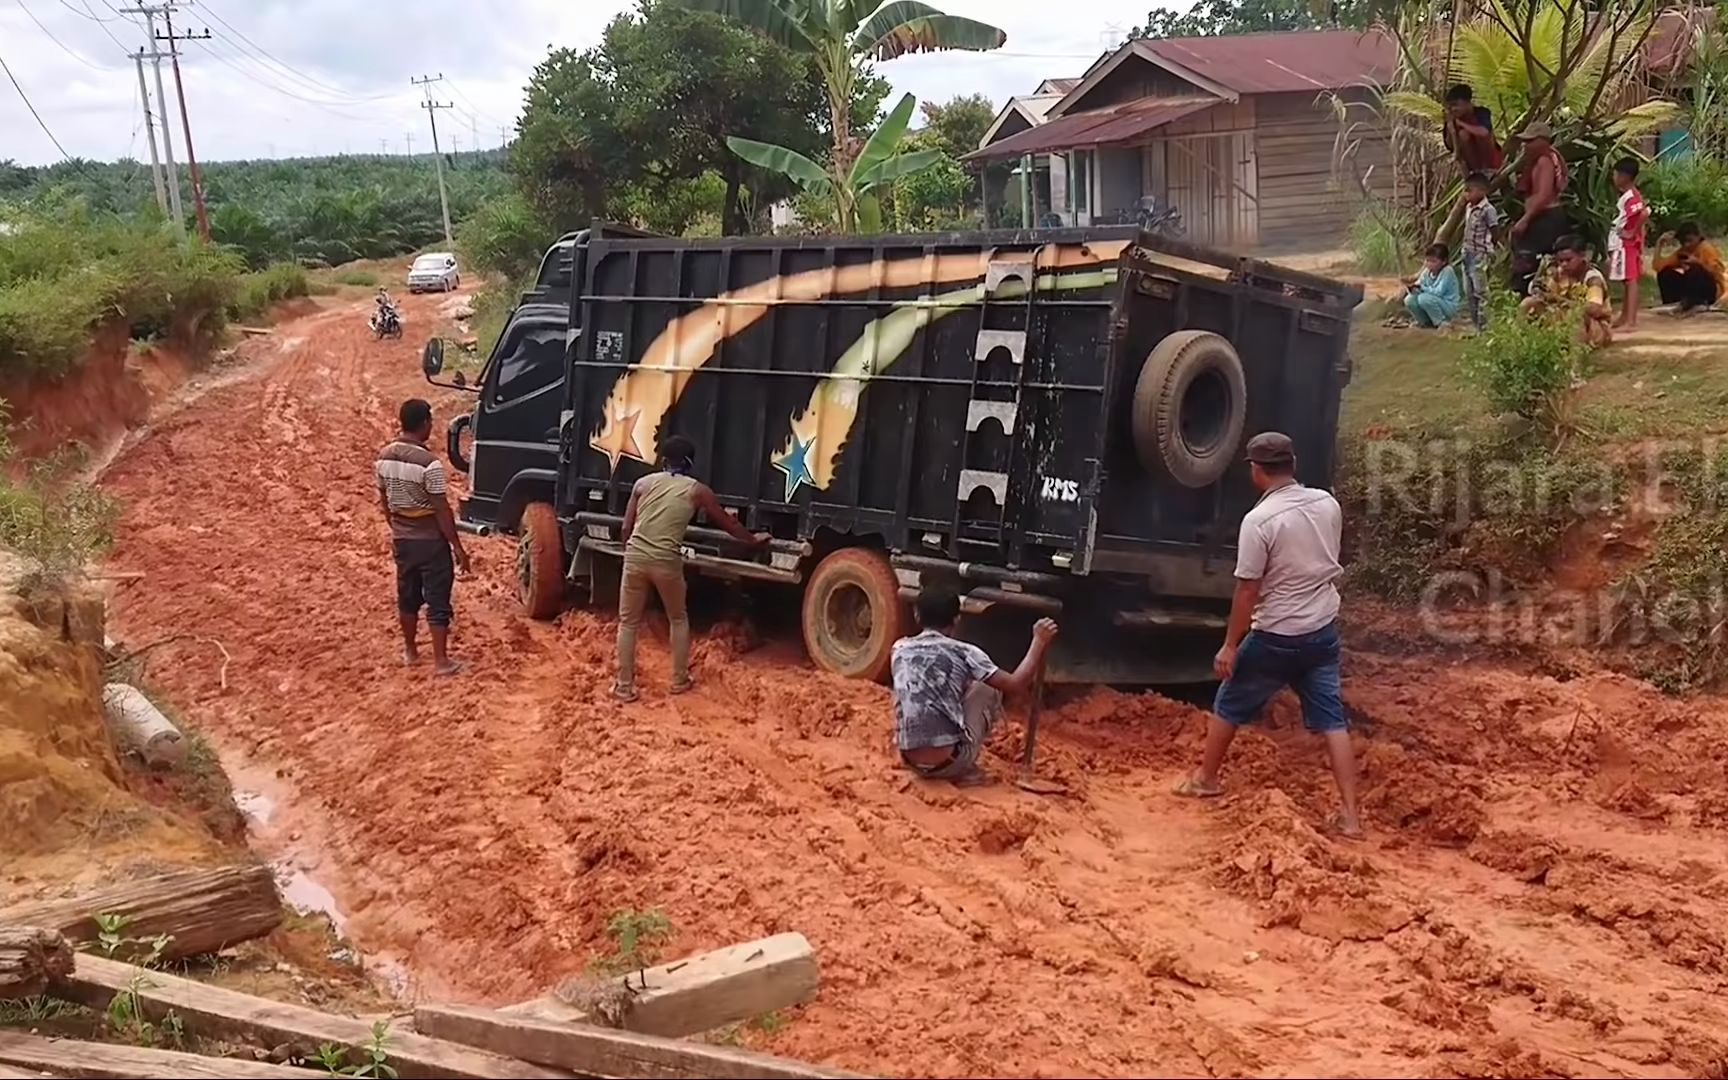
<point x="1432" y="297"/>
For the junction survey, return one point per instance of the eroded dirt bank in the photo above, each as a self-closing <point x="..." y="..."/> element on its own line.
<point x="1545" y="891"/>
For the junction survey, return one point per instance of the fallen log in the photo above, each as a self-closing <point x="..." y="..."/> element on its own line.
<point x="69" y="1057"/>
<point x="200" y="911"/>
<point x="29" y="957"/>
<point x="693" y="995"/>
<point x="212" y="1012"/>
<point x="597" y="1051"/>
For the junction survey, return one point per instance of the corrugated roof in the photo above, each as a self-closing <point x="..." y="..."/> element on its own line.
<point x="1100" y="127"/>
<point x="1058" y="86"/>
<point x="1284" y="61"/>
<point x="1038" y="105"/>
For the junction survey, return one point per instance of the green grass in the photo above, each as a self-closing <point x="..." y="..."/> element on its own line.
<point x="356" y="276"/>
<point x="1407" y="380"/>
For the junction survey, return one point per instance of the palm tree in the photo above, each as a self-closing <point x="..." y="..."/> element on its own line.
<point x="839" y="35"/>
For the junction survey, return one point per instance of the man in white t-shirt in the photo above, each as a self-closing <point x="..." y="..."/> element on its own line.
<point x="1283" y="628"/>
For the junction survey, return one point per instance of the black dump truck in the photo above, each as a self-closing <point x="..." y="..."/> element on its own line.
<point x="1050" y="421"/>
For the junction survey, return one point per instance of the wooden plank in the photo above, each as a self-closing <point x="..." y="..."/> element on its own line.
<point x="200" y="911"/>
<point x="224" y="1014"/>
<point x="69" y="1057"/>
<point x="29" y="957"/>
<point x="702" y="992"/>
<point x="597" y="1051"/>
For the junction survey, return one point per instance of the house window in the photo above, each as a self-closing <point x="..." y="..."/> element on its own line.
<point x="1080" y="185"/>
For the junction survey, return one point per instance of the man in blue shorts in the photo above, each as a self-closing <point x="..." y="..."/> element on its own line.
<point x="1283" y="622"/>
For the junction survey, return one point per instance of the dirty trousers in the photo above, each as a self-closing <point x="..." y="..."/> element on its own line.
<point x="981" y="708"/>
<point x="667" y="579"/>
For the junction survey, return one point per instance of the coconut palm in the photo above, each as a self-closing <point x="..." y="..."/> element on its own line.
<point x="839" y="35"/>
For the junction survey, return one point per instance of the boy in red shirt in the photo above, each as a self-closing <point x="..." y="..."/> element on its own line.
<point x="1626" y="239"/>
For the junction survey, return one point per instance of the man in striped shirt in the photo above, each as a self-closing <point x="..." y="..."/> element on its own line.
<point x="428" y="548"/>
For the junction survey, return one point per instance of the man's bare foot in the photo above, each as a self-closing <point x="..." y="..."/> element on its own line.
<point x="683" y="687"/>
<point x="1345" y="827"/>
<point x="1192" y="787"/>
<point x="446" y="668"/>
<point x="410" y="657"/>
<point x="625" y="694"/>
<point x="973" y="777"/>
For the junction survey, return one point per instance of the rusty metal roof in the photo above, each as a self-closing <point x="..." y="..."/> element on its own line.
<point x="1284" y="61"/>
<point x="1100" y="127"/>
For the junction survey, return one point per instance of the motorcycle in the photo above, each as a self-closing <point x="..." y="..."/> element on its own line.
<point x="386" y="322"/>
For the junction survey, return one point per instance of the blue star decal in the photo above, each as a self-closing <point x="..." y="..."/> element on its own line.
<point x="795" y="463"/>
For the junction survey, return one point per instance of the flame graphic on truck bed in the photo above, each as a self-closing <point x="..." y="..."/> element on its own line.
<point x="639" y="401"/>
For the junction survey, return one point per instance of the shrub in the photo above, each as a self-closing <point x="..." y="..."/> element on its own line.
<point x="55" y="523"/>
<point x="1687" y="189"/>
<point x="503" y="236"/>
<point x="1383" y="242"/>
<point x="255" y="292"/>
<point x="45" y="323"/>
<point x="1527" y="366"/>
<point x="357" y="276"/>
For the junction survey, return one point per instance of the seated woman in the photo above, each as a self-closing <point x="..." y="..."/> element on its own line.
<point x="1572" y="280"/>
<point x="1433" y="295"/>
<point x="1693" y="276"/>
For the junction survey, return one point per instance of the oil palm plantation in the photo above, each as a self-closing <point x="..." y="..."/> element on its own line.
<point x="839" y="36"/>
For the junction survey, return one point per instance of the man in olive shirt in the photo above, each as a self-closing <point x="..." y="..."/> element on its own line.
<point x="428" y="549"/>
<point x="661" y="506"/>
<point x="1286" y="590"/>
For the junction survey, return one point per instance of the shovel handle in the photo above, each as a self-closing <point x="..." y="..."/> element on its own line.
<point x="1032" y="717"/>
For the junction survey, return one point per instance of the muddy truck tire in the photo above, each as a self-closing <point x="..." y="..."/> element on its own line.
<point x="540" y="562"/>
<point x="853" y="614"/>
<point x="1190" y="405"/>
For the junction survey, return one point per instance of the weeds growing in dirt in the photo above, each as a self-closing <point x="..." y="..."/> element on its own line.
<point x="637" y="937"/>
<point x="258" y="290"/>
<point x="356" y="276"/>
<point x="375" y="1056"/>
<point x="54" y="521"/>
<point x="1381" y="240"/>
<point x="125" y="1014"/>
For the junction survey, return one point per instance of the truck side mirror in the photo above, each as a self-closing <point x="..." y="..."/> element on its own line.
<point x="432" y="357"/>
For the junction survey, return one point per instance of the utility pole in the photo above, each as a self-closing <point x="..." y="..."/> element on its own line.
<point x="383" y="147"/>
<point x="173" y="171"/>
<point x="185" y="120"/>
<point x="474" y="130"/>
<point x="408" y="137"/>
<point x="150" y="130"/>
<point x="432" y="108"/>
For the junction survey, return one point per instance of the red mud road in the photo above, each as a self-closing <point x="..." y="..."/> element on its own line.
<point x="1545" y="890"/>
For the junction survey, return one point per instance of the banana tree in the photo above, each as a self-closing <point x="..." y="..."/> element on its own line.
<point x="856" y="207"/>
<point x="839" y="35"/>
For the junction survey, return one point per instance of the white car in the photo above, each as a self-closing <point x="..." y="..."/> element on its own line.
<point x="434" y="271"/>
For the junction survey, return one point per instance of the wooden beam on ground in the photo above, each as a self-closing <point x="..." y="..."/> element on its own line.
<point x="212" y="1012"/>
<point x="699" y="993"/>
<point x="597" y="1051"/>
<point x="201" y="911"/>
<point x="69" y="1057"/>
<point x="29" y="957"/>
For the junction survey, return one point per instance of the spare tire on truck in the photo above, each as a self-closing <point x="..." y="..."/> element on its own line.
<point x="540" y="562"/>
<point x="853" y="614"/>
<point x="1190" y="405"/>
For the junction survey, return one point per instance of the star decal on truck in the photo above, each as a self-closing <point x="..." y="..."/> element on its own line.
<point x="618" y="437"/>
<point x="794" y="461"/>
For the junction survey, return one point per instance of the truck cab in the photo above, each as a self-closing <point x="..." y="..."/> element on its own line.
<point x="512" y="433"/>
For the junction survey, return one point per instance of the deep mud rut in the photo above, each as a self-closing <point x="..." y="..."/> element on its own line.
<point x="1545" y="890"/>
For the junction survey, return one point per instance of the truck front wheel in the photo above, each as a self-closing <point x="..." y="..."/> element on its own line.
<point x="540" y="562"/>
<point x="853" y="614"/>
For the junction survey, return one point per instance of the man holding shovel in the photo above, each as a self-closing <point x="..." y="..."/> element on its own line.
<point x="948" y="693"/>
<point x="1283" y="628"/>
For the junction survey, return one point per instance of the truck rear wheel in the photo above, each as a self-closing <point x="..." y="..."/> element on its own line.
<point x="540" y="562"/>
<point x="1190" y="405"/>
<point x="853" y="614"/>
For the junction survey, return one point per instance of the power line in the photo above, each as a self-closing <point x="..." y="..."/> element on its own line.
<point x="39" y="121"/>
<point x="87" y="13"/>
<point x="474" y="110"/>
<point x="289" y="68"/>
<point x="103" y="24"/>
<point x="219" y="58"/>
<point x="63" y="46"/>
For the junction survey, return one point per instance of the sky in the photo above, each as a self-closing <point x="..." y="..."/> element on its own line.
<point x="288" y="78"/>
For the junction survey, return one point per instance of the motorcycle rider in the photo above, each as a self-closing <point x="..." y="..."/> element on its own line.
<point x="386" y="312"/>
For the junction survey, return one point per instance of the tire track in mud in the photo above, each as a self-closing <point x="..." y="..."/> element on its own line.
<point x="483" y="829"/>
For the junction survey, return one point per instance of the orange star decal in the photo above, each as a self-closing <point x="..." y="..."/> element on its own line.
<point x="618" y="438"/>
